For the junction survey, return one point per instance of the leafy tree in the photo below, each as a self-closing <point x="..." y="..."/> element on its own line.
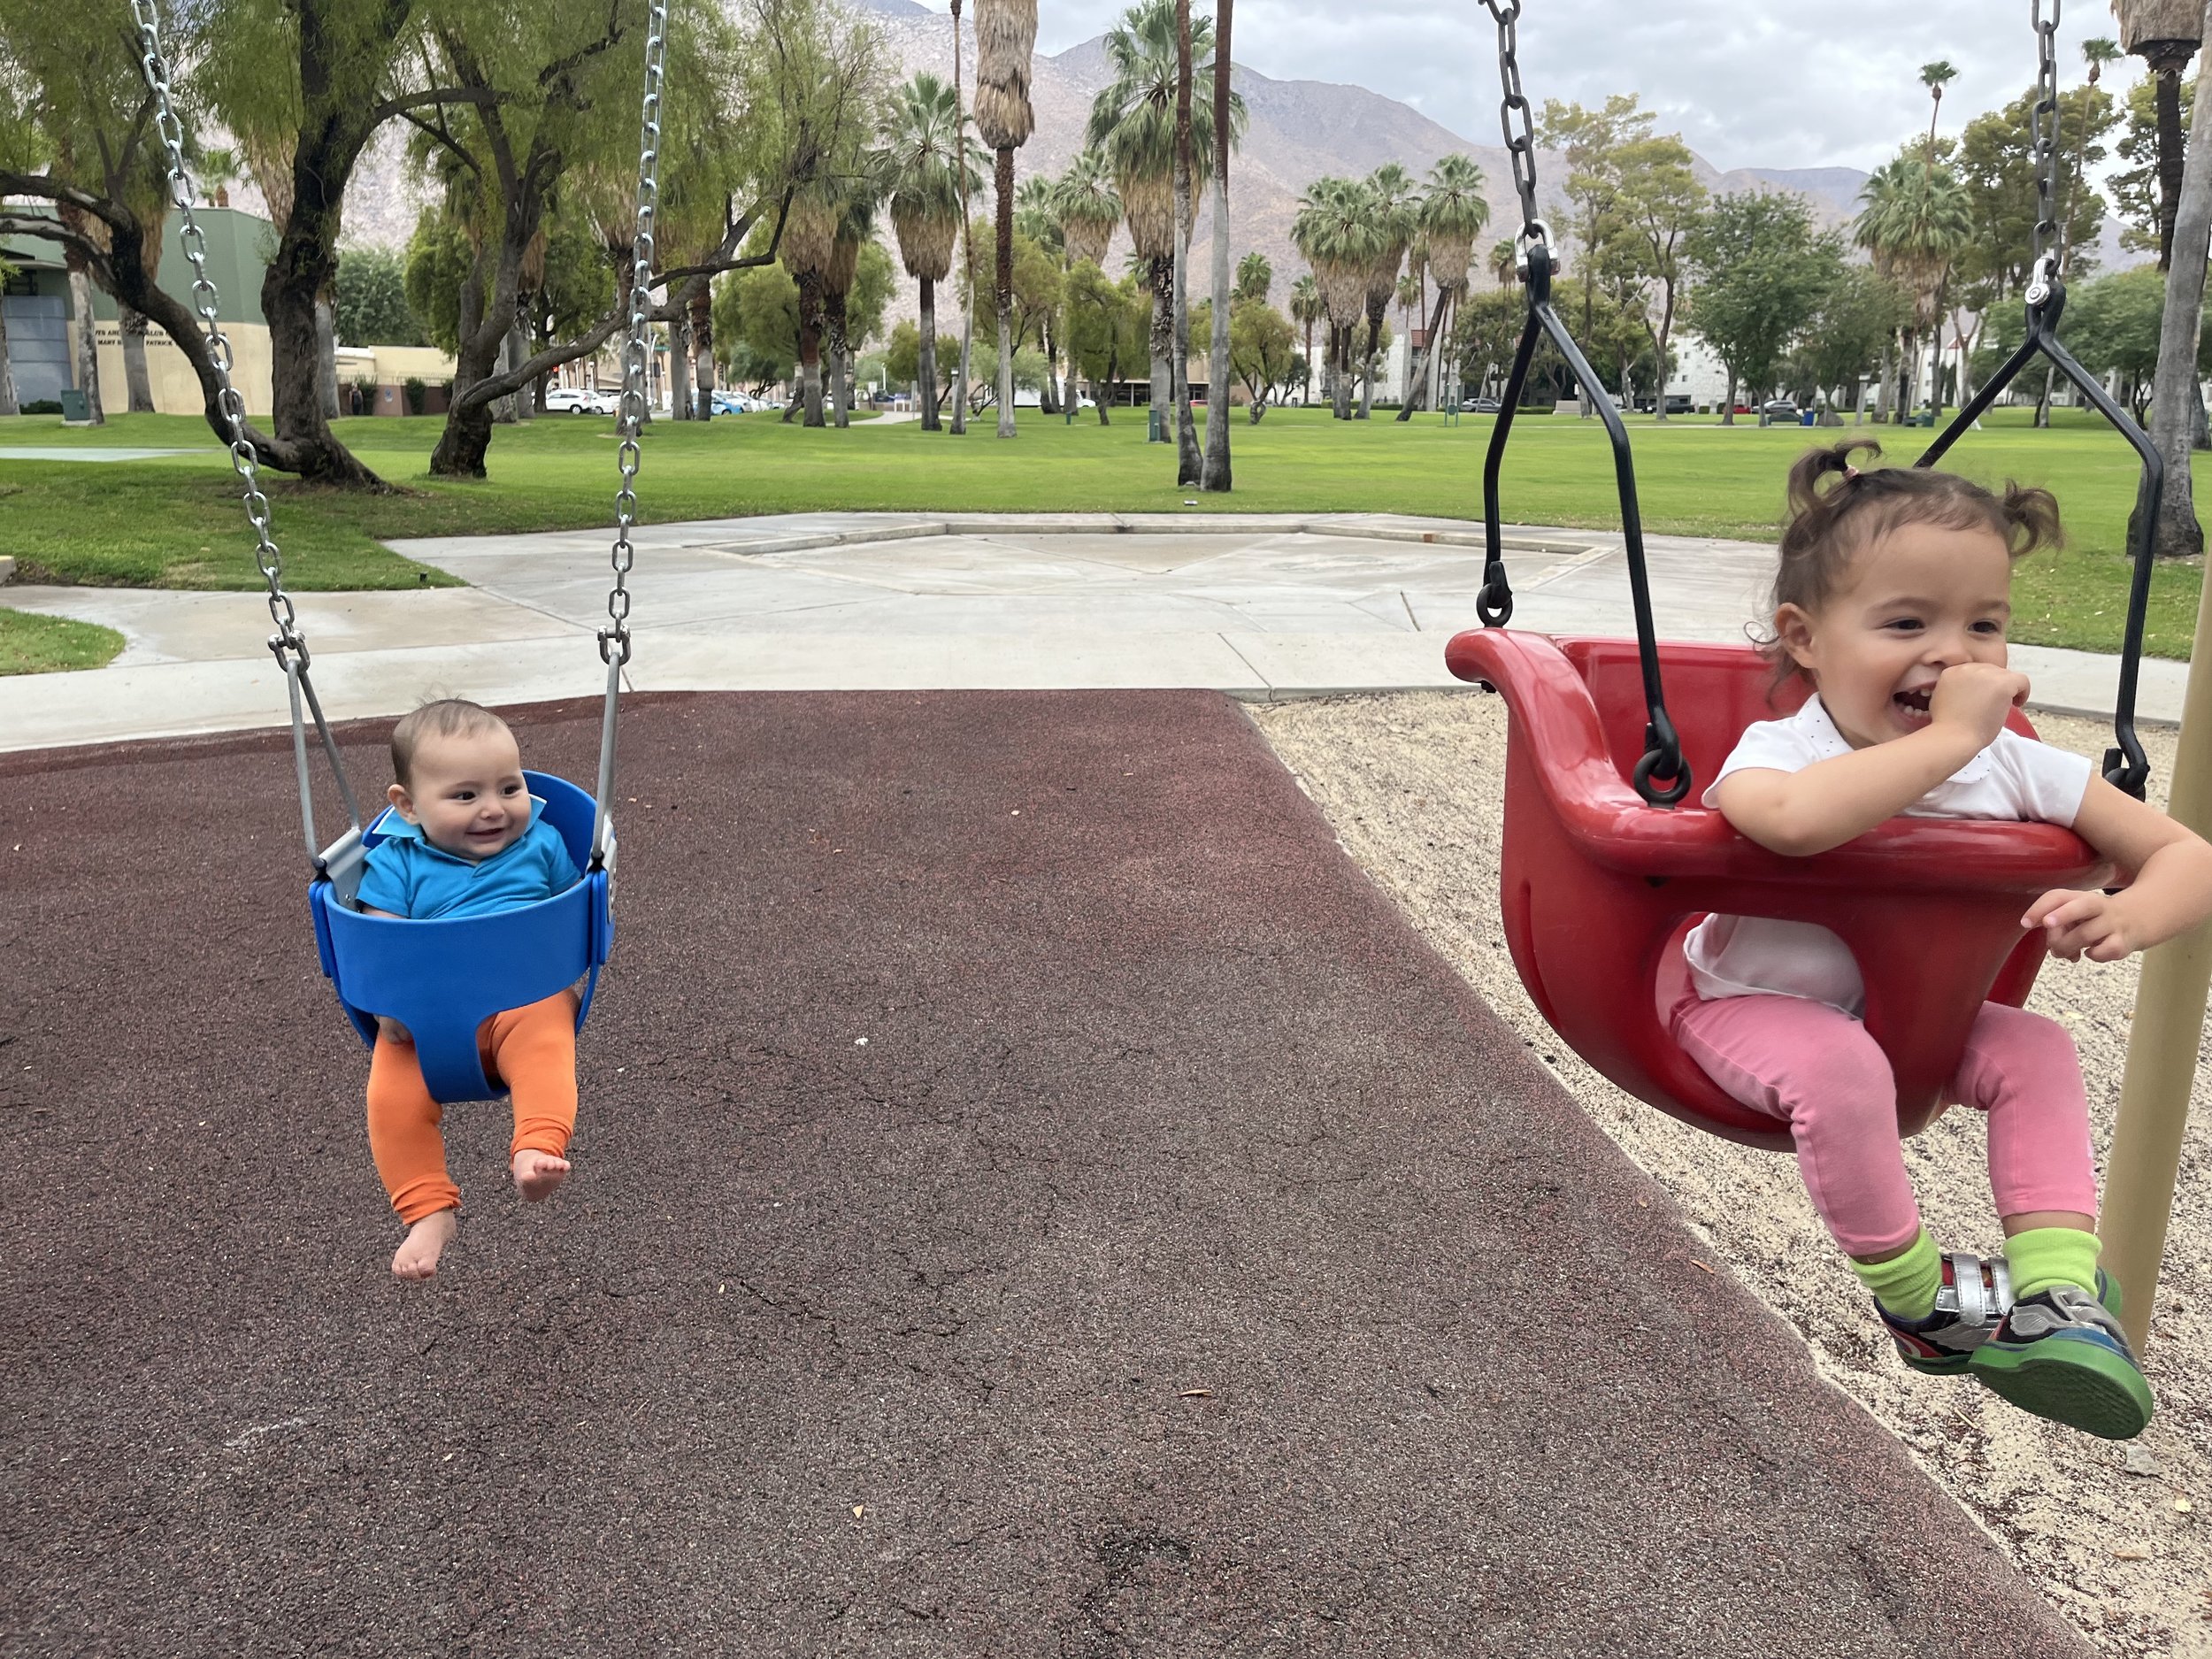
<point x="902" y="357"/>
<point x="371" y="300"/>
<point x="1261" y="346"/>
<point x="926" y="169"/>
<point x="1108" y="328"/>
<point x="1486" y="332"/>
<point x="1659" y="202"/>
<point x="1997" y="166"/>
<point x="2113" y="324"/>
<point x="1591" y="142"/>
<point x="1760" y="270"/>
<point x="758" y="310"/>
<point x="1842" y="346"/>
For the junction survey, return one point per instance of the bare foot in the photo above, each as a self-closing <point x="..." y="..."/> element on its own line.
<point x="417" y="1255"/>
<point x="538" y="1173"/>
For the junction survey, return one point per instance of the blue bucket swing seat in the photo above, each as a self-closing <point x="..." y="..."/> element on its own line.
<point x="443" y="979"/>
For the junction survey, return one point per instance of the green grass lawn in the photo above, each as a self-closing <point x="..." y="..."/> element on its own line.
<point x="45" y="645"/>
<point x="176" y="521"/>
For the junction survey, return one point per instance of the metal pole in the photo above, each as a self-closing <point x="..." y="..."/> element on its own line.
<point x="2163" y="1055"/>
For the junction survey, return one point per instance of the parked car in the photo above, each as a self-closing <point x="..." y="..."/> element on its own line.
<point x="580" y="400"/>
<point x="1780" y="408"/>
<point x="729" y="402"/>
<point x="1482" y="406"/>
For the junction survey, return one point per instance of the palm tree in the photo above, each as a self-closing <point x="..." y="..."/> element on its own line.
<point x="1089" y="208"/>
<point x="1132" y="125"/>
<point x="920" y="165"/>
<point x="855" y="227"/>
<point x="1915" y="219"/>
<point x="1306" y="310"/>
<point x="809" y="241"/>
<point x="1336" y="232"/>
<point x="1393" y="204"/>
<point x="1005" y="43"/>
<point x="1935" y="77"/>
<point x="1037" y="217"/>
<point x="1504" y="262"/>
<point x="1453" y="213"/>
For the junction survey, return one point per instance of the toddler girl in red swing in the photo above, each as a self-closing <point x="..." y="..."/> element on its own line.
<point x="1892" y="601"/>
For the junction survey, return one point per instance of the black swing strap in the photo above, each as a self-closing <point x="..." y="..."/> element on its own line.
<point x="2125" y="765"/>
<point x="1662" y="776"/>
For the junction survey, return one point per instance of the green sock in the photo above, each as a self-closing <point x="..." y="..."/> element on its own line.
<point x="1906" y="1283"/>
<point x="2045" y="1256"/>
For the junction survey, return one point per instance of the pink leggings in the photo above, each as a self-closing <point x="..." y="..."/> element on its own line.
<point x="1815" y="1069"/>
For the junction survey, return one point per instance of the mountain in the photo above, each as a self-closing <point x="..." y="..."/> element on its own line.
<point x="1299" y="131"/>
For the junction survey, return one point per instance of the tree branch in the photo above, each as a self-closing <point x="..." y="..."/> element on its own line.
<point x="441" y="96"/>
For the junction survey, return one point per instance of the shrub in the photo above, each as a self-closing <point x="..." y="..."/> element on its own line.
<point x="42" y="406"/>
<point x="416" y="392"/>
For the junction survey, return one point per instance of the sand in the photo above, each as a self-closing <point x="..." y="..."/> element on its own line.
<point x="2116" y="1536"/>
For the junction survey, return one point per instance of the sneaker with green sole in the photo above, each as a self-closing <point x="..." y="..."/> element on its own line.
<point x="2062" y="1355"/>
<point x="1975" y="1296"/>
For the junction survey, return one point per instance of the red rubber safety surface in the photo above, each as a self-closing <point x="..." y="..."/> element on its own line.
<point x="1034" y="1196"/>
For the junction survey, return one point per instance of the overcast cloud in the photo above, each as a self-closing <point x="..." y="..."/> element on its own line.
<point x="1764" y="83"/>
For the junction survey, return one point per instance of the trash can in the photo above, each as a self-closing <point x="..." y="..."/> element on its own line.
<point x="1810" y="418"/>
<point x="76" y="411"/>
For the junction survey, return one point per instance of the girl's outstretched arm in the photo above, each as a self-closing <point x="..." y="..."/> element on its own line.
<point x="2170" y="893"/>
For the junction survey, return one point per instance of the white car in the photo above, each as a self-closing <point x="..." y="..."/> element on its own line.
<point x="576" y="400"/>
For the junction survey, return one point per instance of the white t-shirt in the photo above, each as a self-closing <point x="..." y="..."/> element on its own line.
<point x="2015" y="778"/>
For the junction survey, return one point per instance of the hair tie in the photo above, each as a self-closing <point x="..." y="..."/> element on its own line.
<point x="1850" y="474"/>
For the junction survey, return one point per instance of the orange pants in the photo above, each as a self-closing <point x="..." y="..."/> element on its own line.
<point x="530" y="1051"/>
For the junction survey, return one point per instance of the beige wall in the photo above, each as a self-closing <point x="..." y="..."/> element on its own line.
<point x="176" y="389"/>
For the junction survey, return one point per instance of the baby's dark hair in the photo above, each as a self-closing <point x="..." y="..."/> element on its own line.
<point x="448" y="717"/>
<point x="1829" y="523"/>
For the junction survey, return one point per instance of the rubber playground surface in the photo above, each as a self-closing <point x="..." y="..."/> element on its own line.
<point x="1034" y="1196"/>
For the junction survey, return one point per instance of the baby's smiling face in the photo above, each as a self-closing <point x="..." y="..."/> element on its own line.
<point x="468" y="793"/>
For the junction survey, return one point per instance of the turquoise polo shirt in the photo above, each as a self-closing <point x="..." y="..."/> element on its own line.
<point x="409" y="877"/>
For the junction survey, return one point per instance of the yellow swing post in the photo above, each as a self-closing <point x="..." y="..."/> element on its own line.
<point x="2161" y="1066"/>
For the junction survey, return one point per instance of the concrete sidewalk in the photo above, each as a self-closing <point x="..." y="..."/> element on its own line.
<point x="1259" y="606"/>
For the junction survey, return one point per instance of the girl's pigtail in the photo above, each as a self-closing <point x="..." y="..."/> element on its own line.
<point x="2031" y="518"/>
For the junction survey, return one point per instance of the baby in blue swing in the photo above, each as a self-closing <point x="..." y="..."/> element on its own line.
<point x="469" y="842"/>
<point x="1892" y="601"/>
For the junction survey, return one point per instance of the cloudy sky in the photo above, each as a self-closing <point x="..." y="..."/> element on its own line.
<point x="1768" y="83"/>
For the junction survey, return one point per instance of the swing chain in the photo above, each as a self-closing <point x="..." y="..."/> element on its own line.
<point x="287" y="643"/>
<point x="614" y="639"/>
<point x="2043" y="145"/>
<point x="1520" y="145"/>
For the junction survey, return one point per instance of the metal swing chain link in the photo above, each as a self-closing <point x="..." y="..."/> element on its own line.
<point x="614" y="639"/>
<point x="1521" y="145"/>
<point x="287" y="643"/>
<point x="2043" y="141"/>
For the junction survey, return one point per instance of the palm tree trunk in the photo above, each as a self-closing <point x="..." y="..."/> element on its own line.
<point x="930" y="421"/>
<point x="1006" y="292"/>
<point x="810" y="346"/>
<point x="1883" y="385"/>
<point x="1341" y="354"/>
<point x="1217" y="468"/>
<point x="839" y="360"/>
<point x="1190" y="464"/>
<point x="2170" y="147"/>
<point x="1162" y="339"/>
<point x="967" y="238"/>
<point x="1367" y="361"/>
<point x="138" y="384"/>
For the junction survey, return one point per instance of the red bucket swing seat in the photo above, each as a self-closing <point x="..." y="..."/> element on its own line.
<point x="1599" y="889"/>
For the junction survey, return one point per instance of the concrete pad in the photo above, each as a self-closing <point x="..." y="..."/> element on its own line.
<point x="1325" y="665"/>
<point x="171" y="627"/>
<point x="1016" y="661"/>
<point x="87" y="453"/>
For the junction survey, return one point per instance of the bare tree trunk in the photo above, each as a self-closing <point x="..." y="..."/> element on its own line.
<point x="1419" y="380"/>
<point x="518" y="354"/>
<point x="137" y="382"/>
<point x="326" y="356"/>
<point x="1887" y="380"/>
<point x="839" y="360"/>
<point x="87" y="351"/>
<point x="8" y="403"/>
<point x="810" y="346"/>
<point x="1340" y="367"/>
<point x="1728" y="414"/>
<point x="681" y="404"/>
<point x="1367" y="366"/>
<point x="1006" y="293"/>
<point x="2173" y="427"/>
<point x="2171" y="160"/>
<point x="1218" y="467"/>
<point x="930" y="421"/>
<point x="699" y="300"/>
